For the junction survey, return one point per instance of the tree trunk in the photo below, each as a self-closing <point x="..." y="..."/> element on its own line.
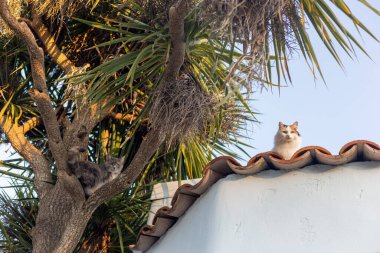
<point x="52" y="239"/>
<point x="61" y="220"/>
<point x="64" y="211"/>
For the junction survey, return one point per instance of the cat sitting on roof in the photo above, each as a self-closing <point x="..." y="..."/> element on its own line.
<point x="287" y="140"/>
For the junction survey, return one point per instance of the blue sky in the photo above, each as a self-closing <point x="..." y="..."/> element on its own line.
<point x="346" y="108"/>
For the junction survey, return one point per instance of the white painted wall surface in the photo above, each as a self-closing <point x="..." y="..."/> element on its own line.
<point x="319" y="209"/>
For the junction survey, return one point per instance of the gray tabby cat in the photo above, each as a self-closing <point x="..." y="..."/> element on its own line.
<point x="91" y="175"/>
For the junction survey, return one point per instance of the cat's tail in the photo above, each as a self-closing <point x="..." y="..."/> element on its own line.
<point x="73" y="155"/>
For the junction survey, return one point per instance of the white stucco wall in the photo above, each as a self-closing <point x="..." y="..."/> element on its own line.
<point x="313" y="210"/>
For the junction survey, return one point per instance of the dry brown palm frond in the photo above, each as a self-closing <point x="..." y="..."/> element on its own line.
<point x="181" y="110"/>
<point x="15" y="6"/>
<point x="244" y="20"/>
<point x="250" y="23"/>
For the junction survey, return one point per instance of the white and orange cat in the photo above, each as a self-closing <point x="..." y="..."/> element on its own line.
<point x="287" y="140"/>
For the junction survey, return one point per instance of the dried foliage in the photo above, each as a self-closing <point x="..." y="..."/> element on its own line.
<point x="249" y="22"/>
<point x="148" y="11"/>
<point x="244" y="20"/>
<point x="158" y="9"/>
<point x="15" y="6"/>
<point x="64" y="7"/>
<point x="181" y="110"/>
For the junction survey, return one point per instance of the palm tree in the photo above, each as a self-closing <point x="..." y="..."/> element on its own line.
<point x="164" y="83"/>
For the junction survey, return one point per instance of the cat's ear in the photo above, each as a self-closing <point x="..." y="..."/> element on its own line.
<point x="112" y="158"/>
<point x="123" y="160"/>
<point x="280" y="124"/>
<point x="295" y="124"/>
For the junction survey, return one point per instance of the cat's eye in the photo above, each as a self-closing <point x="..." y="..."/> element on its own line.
<point x="285" y="132"/>
<point x="293" y="132"/>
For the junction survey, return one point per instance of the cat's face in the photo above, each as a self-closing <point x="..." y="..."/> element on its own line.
<point x="288" y="133"/>
<point x="114" y="164"/>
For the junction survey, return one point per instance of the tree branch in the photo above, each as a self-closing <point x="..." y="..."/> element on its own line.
<point x="87" y="117"/>
<point x="49" y="43"/>
<point x="39" y="93"/>
<point x="151" y="142"/>
<point x="177" y="34"/>
<point x="30" y="124"/>
<point x="41" y="168"/>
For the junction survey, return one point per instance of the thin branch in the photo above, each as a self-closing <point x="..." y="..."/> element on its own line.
<point x="39" y="93"/>
<point x="41" y="168"/>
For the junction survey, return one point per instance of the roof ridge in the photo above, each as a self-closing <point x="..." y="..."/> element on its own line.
<point x="220" y="167"/>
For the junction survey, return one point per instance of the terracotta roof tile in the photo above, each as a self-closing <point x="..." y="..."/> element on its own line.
<point x="185" y="196"/>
